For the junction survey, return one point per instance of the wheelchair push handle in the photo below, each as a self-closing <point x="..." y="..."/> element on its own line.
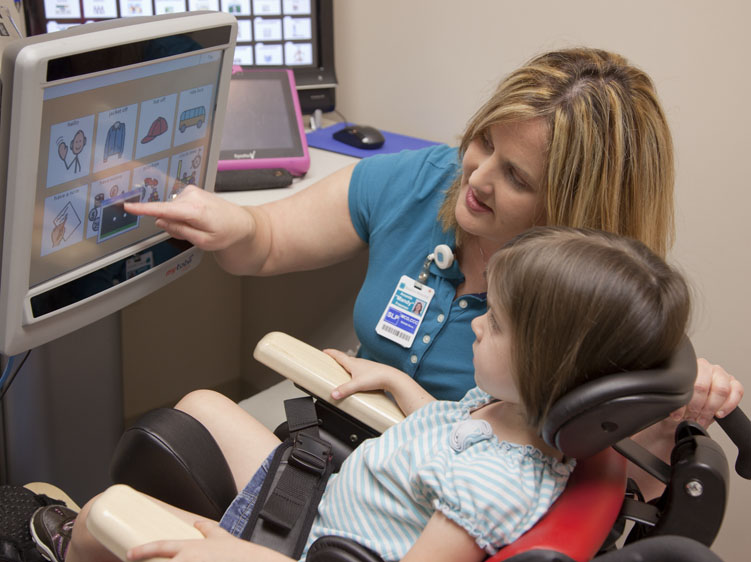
<point x="737" y="426"/>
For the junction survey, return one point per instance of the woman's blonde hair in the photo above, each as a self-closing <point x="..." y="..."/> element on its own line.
<point x="609" y="163"/>
<point x="582" y="304"/>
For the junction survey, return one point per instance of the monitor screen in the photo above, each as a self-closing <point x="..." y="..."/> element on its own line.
<point x="294" y="34"/>
<point x="126" y="111"/>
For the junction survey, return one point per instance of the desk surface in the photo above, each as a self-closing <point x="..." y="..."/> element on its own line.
<point x="322" y="164"/>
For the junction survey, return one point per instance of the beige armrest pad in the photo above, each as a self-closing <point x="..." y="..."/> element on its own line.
<point x="122" y="518"/>
<point x="318" y="373"/>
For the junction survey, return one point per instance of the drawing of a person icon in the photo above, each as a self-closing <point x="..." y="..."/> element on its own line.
<point x="152" y="183"/>
<point x="95" y="212"/>
<point x="76" y="146"/>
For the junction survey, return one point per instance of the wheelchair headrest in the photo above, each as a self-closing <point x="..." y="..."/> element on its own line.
<point x="600" y="413"/>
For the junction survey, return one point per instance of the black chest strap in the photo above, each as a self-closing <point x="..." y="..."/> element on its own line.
<point x="288" y="500"/>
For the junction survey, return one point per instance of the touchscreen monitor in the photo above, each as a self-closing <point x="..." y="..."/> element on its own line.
<point x="100" y="114"/>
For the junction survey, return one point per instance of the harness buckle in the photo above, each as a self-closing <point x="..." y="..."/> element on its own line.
<point x="310" y="454"/>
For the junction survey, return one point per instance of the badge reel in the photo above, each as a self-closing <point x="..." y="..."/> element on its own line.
<point x="406" y="309"/>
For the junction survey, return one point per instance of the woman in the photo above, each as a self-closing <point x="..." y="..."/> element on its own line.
<point x="573" y="138"/>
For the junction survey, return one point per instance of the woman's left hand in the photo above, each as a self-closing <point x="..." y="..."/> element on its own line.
<point x="716" y="394"/>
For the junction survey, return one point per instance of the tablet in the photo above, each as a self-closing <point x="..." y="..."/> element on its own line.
<point x="263" y="127"/>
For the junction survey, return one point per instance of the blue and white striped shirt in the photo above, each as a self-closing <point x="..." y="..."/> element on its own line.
<point x="388" y="488"/>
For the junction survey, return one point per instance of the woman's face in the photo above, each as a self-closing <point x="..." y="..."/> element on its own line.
<point x="501" y="194"/>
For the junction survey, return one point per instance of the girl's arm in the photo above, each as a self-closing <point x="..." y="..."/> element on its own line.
<point x="369" y="375"/>
<point x="443" y="540"/>
<point x="218" y="545"/>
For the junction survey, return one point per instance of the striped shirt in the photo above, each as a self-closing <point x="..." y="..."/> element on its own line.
<point x="389" y="487"/>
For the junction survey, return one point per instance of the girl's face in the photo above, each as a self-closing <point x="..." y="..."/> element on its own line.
<point x="502" y="172"/>
<point x="492" y="356"/>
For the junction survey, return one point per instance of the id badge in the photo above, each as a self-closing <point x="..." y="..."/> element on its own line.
<point x="405" y="311"/>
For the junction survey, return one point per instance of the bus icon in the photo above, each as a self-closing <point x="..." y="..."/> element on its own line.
<point x="195" y="116"/>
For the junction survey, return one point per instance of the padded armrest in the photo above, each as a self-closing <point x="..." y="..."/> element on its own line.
<point x="122" y="518"/>
<point x="316" y="372"/>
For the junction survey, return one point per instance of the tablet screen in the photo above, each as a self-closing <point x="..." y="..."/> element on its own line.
<point x="263" y="128"/>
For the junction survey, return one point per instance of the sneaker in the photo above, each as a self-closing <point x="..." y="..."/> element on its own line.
<point x="51" y="527"/>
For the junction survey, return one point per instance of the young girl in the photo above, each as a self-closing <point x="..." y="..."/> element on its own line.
<point x="458" y="480"/>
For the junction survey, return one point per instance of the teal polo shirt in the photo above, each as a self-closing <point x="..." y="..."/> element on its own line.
<point x="393" y="202"/>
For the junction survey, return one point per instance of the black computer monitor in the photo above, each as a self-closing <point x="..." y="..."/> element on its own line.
<point x="91" y="117"/>
<point x="294" y="34"/>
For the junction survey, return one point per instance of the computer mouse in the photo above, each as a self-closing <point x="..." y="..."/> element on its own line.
<point x="360" y="136"/>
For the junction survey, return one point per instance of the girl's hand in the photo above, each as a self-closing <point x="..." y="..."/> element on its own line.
<point x="370" y="375"/>
<point x="202" y="218"/>
<point x="366" y="375"/>
<point x="218" y="545"/>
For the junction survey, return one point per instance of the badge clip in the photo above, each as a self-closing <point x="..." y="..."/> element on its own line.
<point x="443" y="257"/>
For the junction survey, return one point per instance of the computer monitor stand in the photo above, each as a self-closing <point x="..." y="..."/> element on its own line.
<point x="63" y="415"/>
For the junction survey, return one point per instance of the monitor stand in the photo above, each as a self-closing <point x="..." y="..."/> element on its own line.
<point x="63" y="415"/>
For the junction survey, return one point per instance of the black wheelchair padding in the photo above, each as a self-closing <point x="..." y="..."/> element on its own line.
<point x="663" y="549"/>
<point x="617" y="406"/>
<point x="170" y="455"/>
<point x="340" y="549"/>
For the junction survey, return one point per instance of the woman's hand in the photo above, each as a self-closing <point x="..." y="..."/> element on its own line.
<point x="370" y="375"/>
<point x="716" y="394"/>
<point x="309" y="229"/>
<point x="218" y="544"/>
<point x="202" y="218"/>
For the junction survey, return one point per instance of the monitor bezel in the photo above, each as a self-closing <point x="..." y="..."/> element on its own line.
<point x="25" y="63"/>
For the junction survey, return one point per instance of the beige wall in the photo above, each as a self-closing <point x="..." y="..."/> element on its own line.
<point x="421" y="67"/>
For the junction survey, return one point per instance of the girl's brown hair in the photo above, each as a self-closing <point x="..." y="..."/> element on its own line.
<point x="581" y="304"/>
<point x="609" y="163"/>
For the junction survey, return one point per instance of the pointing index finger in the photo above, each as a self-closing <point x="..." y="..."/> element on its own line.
<point x="153" y="209"/>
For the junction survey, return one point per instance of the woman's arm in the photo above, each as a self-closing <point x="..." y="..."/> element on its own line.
<point x="443" y="540"/>
<point x="308" y="230"/>
<point x="370" y="375"/>
<point x="716" y="393"/>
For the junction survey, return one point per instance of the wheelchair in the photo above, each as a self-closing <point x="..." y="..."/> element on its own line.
<point x="592" y="424"/>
